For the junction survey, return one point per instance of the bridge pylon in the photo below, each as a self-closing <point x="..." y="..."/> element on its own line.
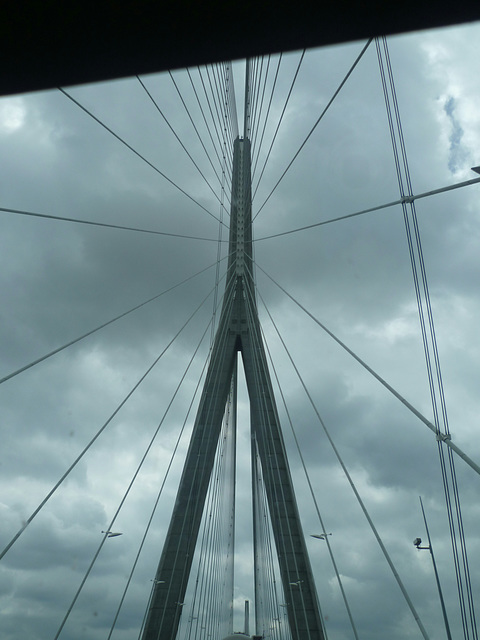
<point x="238" y="331"/>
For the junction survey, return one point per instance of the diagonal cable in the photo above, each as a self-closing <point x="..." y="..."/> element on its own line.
<point x="132" y="481"/>
<point x="167" y="471"/>
<point x="100" y="431"/>
<point x="103" y="224"/>
<point x="221" y="162"/>
<point x="279" y="123"/>
<point x="167" y="122"/>
<point x="307" y="475"/>
<point x="405" y="402"/>
<point x="139" y="155"/>
<point x="212" y="116"/>
<point x="105" y="324"/>
<point x="428" y="337"/>
<point x="340" y="87"/>
<point x="403" y="200"/>
<point x="357" y="495"/>
<point x="267" y="114"/>
<point x="260" y="109"/>
<point x="216" y="103"/>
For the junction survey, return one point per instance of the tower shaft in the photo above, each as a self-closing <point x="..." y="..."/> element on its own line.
<point x="238" y="330"/>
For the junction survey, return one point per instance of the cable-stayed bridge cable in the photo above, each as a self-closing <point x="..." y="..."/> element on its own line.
<point x="135" y="475"/>
<point x="105" y="324"/>
<point x="99" y="432"/>
<point x="232" y="104"/>
<point x="177" y="137"/>
<point x="222" y="97"/>
<point x="257" y="79"/>
<point x="218" y="98"/>
<point x="400" y="201"/>
<point x="266" y="115"/>
<point x="277" y="128"/>
<point x="307" y="475"/>
<point x="167" y="471"/>
<point x="405" y="402"/>
<point x="194" y="125"/>
<point x="215" y="149"/>
<point x="107" y="225"/>
<point x="429" y="341"/>
<point x="137" y="471"/>
<point x="212" y="116"/>
<point x="130" y="485"/>
<point x="259" y="112"/>
<point x="349" y="73"/>
<point x="357" y="495"/>
<point x="139" y="155"/>
<point x="216" y="112"/>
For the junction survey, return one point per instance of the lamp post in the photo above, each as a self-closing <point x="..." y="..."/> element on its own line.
<point x="417" y="542"/>
<point x="324" y="536"/>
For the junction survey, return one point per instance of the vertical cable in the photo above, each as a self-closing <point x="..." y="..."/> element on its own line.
<point x="434" y="375"/>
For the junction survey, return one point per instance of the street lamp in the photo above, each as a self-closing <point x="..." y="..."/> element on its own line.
<point x="298" y="584"/>
<point x="417" y="542"/>
<point x="320" y="536"/>
<point x="323" y="536"/>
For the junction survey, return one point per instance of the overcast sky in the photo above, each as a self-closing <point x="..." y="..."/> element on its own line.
<point x="59" y="280"/>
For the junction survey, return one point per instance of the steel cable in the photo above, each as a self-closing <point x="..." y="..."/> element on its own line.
<point x="360" y="502"/>
<point x="167" y="471"/>
<point x="386" y="205"/>
<point x="177" y="137"/>
<point x="382" y="381"/>
<point x="137" y="471"/>
<point x="259" y="366"/>
<point x="276" y="131"/>
<point x="139" y="155"/>
<point x="307" y="475"/>
<point x="274" y="84"/>
<point x="216" y="117"/>
<point x="260" y="111"/>
<point x="106" y="225"/>
<point x="207" y="126"/>
<point x="429" y="343"/>
<point x="105" y="324"/>
<point x="99" y="432"/>
<point x="349" y="73"/>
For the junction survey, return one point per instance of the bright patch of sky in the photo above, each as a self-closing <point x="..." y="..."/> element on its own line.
<point x="390" y="332"/>
<point x="12" y="115"/>
<point x="458" y="155"/>
<point x="449" y="58"/>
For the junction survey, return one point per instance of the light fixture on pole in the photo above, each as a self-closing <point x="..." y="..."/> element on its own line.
<point x="297" y="583"/>
<point x="417" y="542"/>
<point x="320" y="536"/>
